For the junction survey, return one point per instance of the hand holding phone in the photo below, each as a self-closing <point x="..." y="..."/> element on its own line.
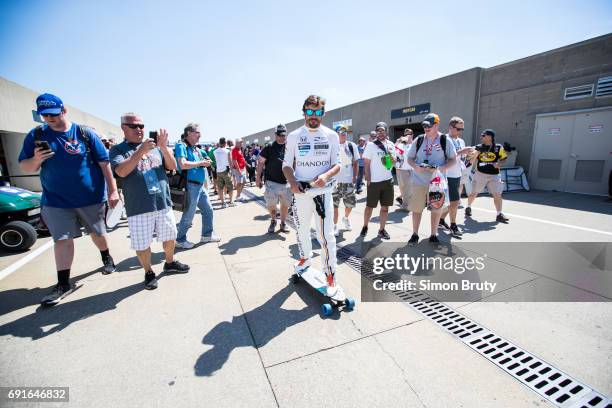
<point x="43" y="144"/>
<point x="153" y="135"/>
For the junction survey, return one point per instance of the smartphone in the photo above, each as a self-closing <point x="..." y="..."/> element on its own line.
<point x="153" y="135"/>
<point x="42" y="143"/>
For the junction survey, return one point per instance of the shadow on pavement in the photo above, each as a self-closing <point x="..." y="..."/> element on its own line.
<point x="395" y="217"/>
<point x="581" y="202"/>
<point x="248" y="241"/>
<point x="265" y="322"/>
<point x="131" y="264"/>
<point x="61" y="316"/>
<point x="471" y="226"/>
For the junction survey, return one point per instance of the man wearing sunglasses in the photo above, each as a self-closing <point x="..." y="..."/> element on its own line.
<point x="455" y="175"/>
<point x="428" y="152"/>
<point x="379" y="158"/>
<point x="311" y="161"/>
<point x="345" y="188"/>
<point x="142" y="163"/>
<point x="270" y="165"/>
<point x="76" y="177"/>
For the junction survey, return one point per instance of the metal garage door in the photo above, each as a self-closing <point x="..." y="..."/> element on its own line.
<point x="573" y="152"/>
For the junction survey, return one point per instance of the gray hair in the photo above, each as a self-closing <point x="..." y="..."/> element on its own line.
<point x="129" y="115"/>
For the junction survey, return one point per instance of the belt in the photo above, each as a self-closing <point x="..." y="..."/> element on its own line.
<point x="195" y="182"/>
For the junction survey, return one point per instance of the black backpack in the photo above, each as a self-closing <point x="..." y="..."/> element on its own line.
<point x="38" y="133"/>
<point x="419" y="143"/>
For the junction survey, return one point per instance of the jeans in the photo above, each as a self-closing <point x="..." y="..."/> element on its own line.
<point x="360" y="178"/>
<point x="197" y="196"/>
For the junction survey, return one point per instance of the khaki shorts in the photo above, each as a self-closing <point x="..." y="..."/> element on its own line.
<point x="381" y="191"/>
<point x="276" y="192"/>
<point x="418" y="200"/>
<point x="494" y="183"/>
<point x="346" y="192"/>
<point x="225" y="180"/>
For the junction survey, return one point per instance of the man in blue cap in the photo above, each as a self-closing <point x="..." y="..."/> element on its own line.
<point x="76" y="179"/>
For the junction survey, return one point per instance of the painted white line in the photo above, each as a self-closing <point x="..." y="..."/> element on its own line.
<point x="547" y="222"/>
<point x="7" y="271"/>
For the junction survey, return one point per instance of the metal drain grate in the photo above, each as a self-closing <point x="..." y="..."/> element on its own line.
<point x="547" y="381"/>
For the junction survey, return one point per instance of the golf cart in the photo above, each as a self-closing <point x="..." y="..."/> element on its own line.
<point x="19" y="218"/>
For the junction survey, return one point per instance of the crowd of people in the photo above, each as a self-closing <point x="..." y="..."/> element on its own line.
<point x="307" y="173"/>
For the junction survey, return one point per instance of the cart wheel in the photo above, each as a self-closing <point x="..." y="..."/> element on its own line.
<point x="349" y="303"/>
<point x="327" y="309"/>
<point x="295" y="278"/>
<point x="17" y="236"/>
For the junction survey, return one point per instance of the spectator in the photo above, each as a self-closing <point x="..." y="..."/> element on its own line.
<point x="372" y="136"/>
<point x="194" y="162"/>
<point x="74" y="167"/>
<point x="404" y="171"/>
<point x="238" y="169"/>
<point x="141" y="163"/>
<point x="270" y="164"/>
<point x="360" y="147"/>
<point x="345" y="188"/>
<point x="224" y="179"/>
<point x="251" y="161"/>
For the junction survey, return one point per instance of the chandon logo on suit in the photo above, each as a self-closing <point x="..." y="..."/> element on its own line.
<point x="314" y="163"/>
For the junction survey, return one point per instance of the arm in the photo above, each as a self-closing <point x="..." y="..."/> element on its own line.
<point x="355" y="170"/>
<point x="288" y="165"/>
<point x="261" y="161"/>
<point x="366" y="170"/>
<point x="32" y="165"/>
<point x="113" y="195"/>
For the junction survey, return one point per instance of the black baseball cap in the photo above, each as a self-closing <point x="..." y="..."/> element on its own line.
<point x="281" y="130"/>
<point x="488" y="132"/>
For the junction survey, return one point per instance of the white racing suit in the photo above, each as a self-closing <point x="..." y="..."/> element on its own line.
<point x="311" y="153"/>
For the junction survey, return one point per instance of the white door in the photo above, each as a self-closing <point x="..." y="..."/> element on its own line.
<point x="550" y="157"/>
<point x="590" y="156"/>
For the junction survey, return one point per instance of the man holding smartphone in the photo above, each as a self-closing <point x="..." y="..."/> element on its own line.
<point x="76" y="179"/>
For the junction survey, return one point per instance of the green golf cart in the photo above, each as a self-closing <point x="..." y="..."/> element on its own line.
<point x="20" y="219"/>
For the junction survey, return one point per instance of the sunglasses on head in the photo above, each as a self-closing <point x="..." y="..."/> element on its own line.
<point x="134" y="125"/>
<point x="53" y="115"/>
<point x="314" y="112"/>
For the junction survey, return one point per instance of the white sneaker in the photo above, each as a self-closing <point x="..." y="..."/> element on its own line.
<point x="336" y="230"/>
<point x="185" y="245"/>
<point x="232" y="204"/>
<point x="212" y="238"/>
<point x="302" y="265"/>
<point x="224" y="205"/>
<point x="347" y="224"/>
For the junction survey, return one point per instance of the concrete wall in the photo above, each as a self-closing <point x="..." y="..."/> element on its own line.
<point x="16" y="120"/>
<point x="449" y="96"/>
<point x="513" y="94"/>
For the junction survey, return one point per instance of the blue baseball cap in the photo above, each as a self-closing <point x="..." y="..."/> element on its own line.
<point x="49" y="104"/>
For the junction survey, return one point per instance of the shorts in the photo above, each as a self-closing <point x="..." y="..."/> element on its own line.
<point x="224" y="180"/>
<point x="66" y="223"/>
<point x="380" y="191"/>
<point x="453" y="188"/>
<point x="240" y="176"/>
<point x="276" y="192"/>
<point x="418" y="200"/>
<point x="346" y="192"/>
<point x="142" y="226"/>
<point x="493" y="182"/>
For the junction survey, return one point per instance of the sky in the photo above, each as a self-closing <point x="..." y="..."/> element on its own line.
<point x="240" y="67"/>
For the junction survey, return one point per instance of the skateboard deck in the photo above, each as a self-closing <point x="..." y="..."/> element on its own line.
<point x="317" y="279"/>
<point x="113" y="215"/>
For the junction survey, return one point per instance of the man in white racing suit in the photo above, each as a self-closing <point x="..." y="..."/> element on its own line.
<point x="312" y="159"/>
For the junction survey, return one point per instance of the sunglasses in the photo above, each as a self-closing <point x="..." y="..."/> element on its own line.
<point x="134" y="126"/>
<point x="425" y="126"/>
<point x="312" y="112"/>
<point x="459" y="129"/>
<point x="53" y="115"/>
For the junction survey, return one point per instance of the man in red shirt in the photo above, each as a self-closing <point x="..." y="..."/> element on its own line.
<point x="239" y="169"/>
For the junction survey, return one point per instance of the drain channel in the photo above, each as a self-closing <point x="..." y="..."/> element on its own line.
<point x="549" y="382"/>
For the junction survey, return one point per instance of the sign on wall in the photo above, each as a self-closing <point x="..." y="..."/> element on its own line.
<point x="345" y="122"/>
<point x="415" y="110"/>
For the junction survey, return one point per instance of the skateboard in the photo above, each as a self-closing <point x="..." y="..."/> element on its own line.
<point x="317" y="280"/>
<point x="113" y="215"/>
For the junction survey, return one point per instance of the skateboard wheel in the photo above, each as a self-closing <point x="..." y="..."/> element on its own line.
<point x="295" y="278"/>
<point x="349" y="303"/>
<point x="327" y="309"/>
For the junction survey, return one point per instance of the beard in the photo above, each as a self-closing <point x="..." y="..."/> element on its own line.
<point x="313" y="123"/>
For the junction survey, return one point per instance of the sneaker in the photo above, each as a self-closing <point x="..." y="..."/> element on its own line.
<point x="442" y="224"/>
<point x="57" y="294"/>
<point x="336" y="230"/>
<point x="468" y="211"/>
<point x="434" y="240"/>
<point x="283" y="227"/>
<point x="502" y="218"/>
<point x="414" y="239"/>
<point x="455" y="231"/>
<point x="364" y="231"/>
<point x="212" y="238"/>
<point x="223" y="205"/>
<point x="109" y="266"/>
<point x="347" y="224"/>
<point x="175" y="267"/>
<point x="404" y="208"/>
<point x="359" y="191"/>
<point x="150" y="280"/>
<point x="184" y="244"/>
<point x="383" y="234"/>
<point x="232" y="204"/>
<point x="272" y="227"/>
<point x="302" y="265"/>
<point x="400" y="201"/>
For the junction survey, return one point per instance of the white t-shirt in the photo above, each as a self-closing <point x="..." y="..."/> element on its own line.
<point x="402" y="156"/>
<point x="221" y="159"/>
<point x="457" y="169"/>
<point x="378" y="171"/>
<point x="315" y="151"/>
<point x="346" y="162"/>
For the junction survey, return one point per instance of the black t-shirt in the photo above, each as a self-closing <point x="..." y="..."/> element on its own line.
<point x="273" y="168"/>
<point x="489" y="155"/>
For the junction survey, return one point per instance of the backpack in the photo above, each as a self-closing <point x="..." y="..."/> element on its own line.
<point x="351" y="149"/>
<point x="421" y="138"/>
<point x="38" y="133"/>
